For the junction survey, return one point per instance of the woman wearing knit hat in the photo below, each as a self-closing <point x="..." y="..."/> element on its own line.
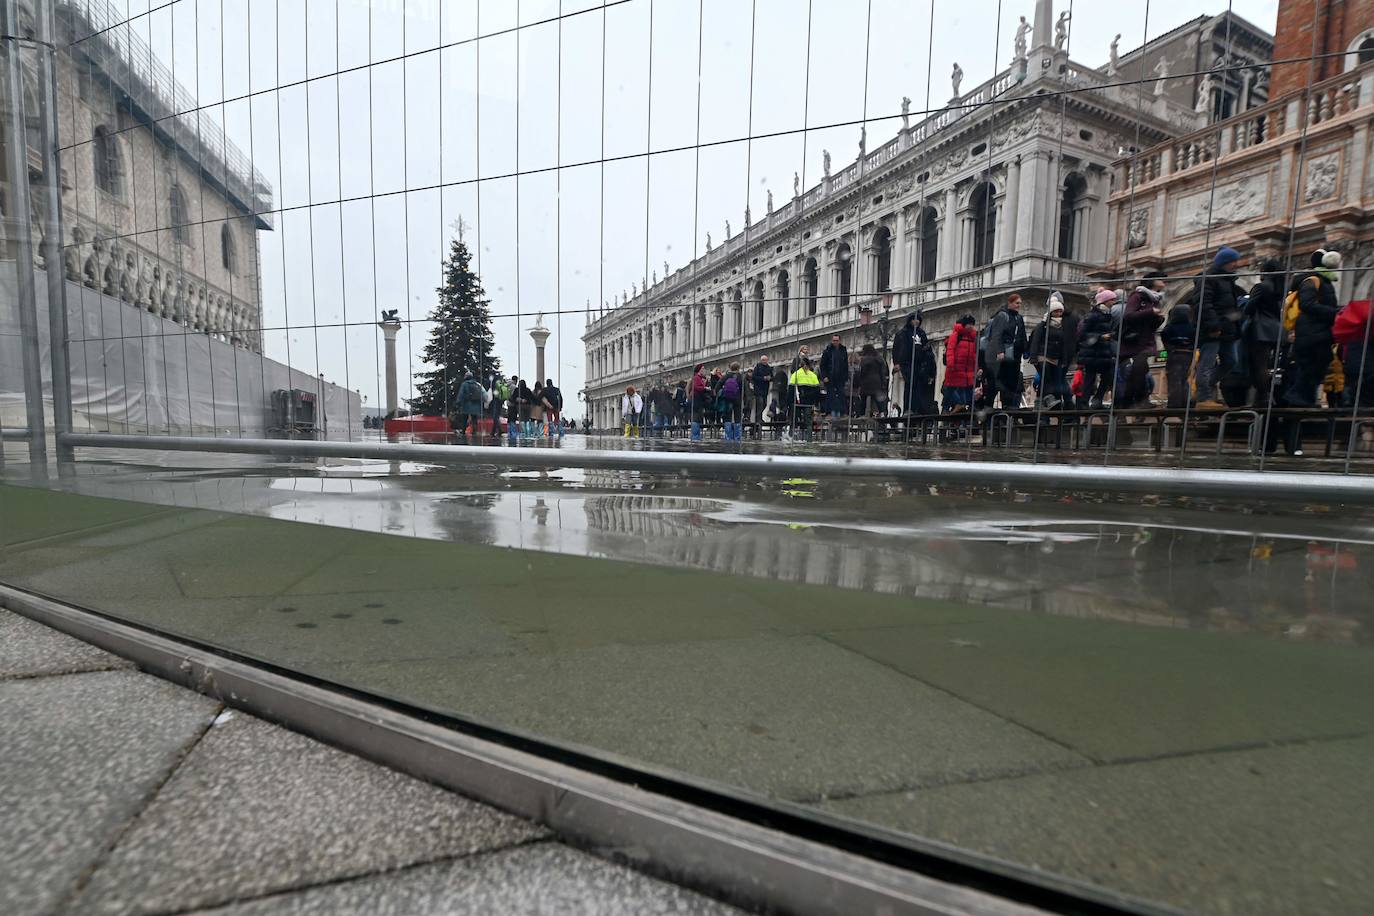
<point x="1049" y="352"/>
<point x="1141" y="319"/>
<point x="1097" y="342"/>
<point x="1310" y="353"/>
<point x="1317" y="308"/>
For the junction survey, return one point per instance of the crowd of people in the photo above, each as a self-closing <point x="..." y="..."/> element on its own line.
<point x="1285" y="340"/>
<point x="530" y="413"/>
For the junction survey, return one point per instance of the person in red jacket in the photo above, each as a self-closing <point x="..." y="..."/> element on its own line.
<point x="961" y="364"/>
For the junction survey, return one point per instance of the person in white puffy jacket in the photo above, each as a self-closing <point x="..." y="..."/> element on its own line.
<point x="631" y="409"/>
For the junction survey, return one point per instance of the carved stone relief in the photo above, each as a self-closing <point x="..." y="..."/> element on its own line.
<point x="1321" y="177"/>
<point x="1138" y="229"/>
<point x="1236" y="202"/>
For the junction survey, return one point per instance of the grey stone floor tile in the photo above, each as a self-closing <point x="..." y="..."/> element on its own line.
<point x="1118" y="692"/>
<point x="795" y="717"/>
<point x="1268" y="832"/>
<point x="78" y="756"/>
<point x="256" y="809"/>
<point x="546" y="878"/>
<point x="28" y="648"/>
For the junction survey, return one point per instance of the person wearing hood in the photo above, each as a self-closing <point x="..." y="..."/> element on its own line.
<point x="1216" y="296"/>
<point x="915" y="362"/>
<point x="761" y="381"/>
<point x="1049" y="348"/>
<point x="871" y="381"/>
<point x="1097" y="348"/>
<point x="1140" y="320"/>
<point x="961" y="365"/>
<point x="1312" y="341"/>
<point x="1263" y="328"/>
<point x="1004" y="347"/>
<point x="555" y="408"/>
<point x="1177" y="337"/>
<point x="471" y="396"/>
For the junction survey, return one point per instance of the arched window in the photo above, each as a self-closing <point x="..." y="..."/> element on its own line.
<point x="809" y="278"/>
<point x="844" y="258"/>
<point x="1072" y="214"/>
<point x="758" y="305"/>
<point x="882" y="252"/>
<point x="984" y="206"/>
<point x="739" y="312"/>
<point x="784" y="294"/>
<point x="1365" y="52"/>
<point x="930" y="241"/>
<point x="109" y="167"/>
<point x="227" y="255"/>
<point x="177" y="205"/>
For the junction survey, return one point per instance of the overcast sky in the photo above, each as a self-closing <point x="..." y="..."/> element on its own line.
<point x="766" y="67"/>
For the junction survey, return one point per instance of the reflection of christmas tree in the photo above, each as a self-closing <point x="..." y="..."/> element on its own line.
<point x="461" y="340"/>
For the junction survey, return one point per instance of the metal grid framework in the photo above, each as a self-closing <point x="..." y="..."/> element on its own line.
<point x="63" y="54"/>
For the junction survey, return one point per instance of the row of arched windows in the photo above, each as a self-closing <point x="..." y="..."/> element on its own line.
<point x="108" y="168"/>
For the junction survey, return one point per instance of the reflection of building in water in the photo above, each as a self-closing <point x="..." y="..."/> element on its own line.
<point x="1156" y="576"/>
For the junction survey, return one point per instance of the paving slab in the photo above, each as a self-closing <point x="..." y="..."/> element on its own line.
<point x="27" y="514"/>
<point x="80" y="754"/>
<point x="794" y="717"/>
<point x="1121" y="692"/>
<point x="255" y="809"/>
<point x="1264" y="833"/>
<point x="28" y="649"/>
<point x="544" y="878"/>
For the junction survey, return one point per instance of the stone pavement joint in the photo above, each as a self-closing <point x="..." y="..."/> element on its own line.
<point x="126" y="794"/>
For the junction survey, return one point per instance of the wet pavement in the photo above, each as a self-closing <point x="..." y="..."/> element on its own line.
<point x="1163" y="697"/>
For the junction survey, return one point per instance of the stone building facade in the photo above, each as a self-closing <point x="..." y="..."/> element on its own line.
<point x="159" y="209"/>
<point x="1006" y="188"/>
<point x="1279" y="180"/>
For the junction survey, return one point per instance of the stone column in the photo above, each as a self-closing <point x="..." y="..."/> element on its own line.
<point x="1028" y="198"/>
<point x="1007" y="239"/>
<point x="389" y="331"/>
<point x="951" y="235"/>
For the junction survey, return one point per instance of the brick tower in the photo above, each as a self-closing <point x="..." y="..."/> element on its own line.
<point x="1339" y="32"/>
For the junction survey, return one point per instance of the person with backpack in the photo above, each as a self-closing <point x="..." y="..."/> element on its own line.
<point x="1004" y="348"/>
<point x="1140" y="320"/>
<point x="834" y="374"/>
<point x="513" y="408"/>
<point x="731" y="395"/>
<point x="1216" y="296"/>
<point x="1263" y="328"/>
<point x="471" y="396"/>
<point x="1315" y="291"/>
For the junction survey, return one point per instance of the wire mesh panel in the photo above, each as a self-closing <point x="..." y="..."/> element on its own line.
<point x="996" y="288"/>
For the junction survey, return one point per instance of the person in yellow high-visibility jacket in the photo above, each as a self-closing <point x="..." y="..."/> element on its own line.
<point x="806" y="391"/>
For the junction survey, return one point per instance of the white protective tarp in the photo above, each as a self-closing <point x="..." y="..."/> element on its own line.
<point x="133" y="372"/>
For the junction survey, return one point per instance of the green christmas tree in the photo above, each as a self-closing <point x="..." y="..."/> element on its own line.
<point x="461" y="340"/>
